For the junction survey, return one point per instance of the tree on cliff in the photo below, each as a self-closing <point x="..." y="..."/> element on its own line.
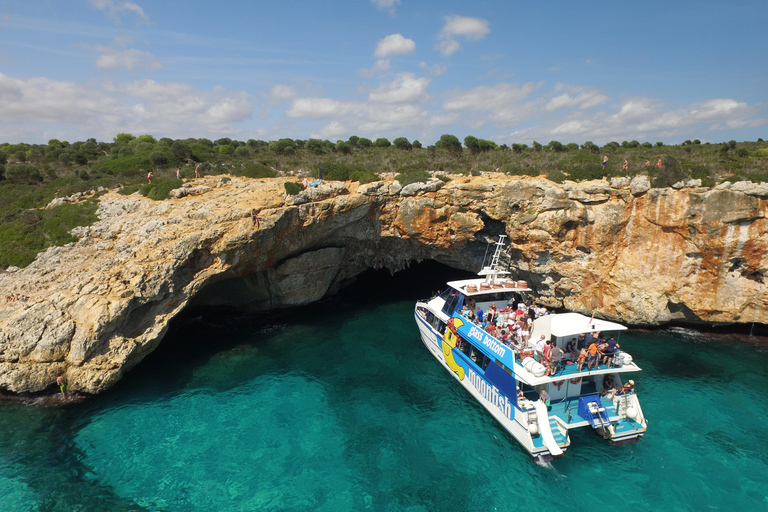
<point x="449" y="142"/>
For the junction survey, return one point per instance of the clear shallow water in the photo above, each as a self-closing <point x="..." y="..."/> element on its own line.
<point x="340" y="407"/>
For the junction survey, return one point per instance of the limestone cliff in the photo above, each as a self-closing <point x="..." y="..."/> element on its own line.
<point x="628" y="252"/>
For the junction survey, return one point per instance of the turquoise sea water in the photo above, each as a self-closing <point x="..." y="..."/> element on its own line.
<point x="338" y="406"/>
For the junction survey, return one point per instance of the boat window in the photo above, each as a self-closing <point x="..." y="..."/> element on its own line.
<point x="486" y="362"/>
<point x="453" y="302"/>
<point x="441" y="327"/>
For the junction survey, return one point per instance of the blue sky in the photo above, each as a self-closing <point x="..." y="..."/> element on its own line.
<point x="508" y="71"/>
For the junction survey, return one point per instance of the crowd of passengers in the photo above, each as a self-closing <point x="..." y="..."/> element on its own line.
<point x="512" y="327"/>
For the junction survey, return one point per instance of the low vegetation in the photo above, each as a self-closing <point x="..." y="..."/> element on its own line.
<point x="31" y="175"/>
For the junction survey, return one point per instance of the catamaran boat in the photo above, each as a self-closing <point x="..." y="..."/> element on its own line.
<point x="538" y="405"/>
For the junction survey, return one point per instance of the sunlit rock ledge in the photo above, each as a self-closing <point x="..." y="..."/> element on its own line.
<point x="621" y="249"/>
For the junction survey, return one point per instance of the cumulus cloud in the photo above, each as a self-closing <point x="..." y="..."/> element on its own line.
<point x="115" y="10"/>
<point x="86" y="109"/>
<point x="380" y="66"/>
<point x="386" y="5"/>
<point x="393" y="106"/>
<point x="128" y="59"/>
<point x="455" y="27"/>
<point x="572" y="97"/>
<point x="114" y="56"/>
<point x="394" y="44"/>
<point x="406" y="88"/>
<point x="434" y="70"/>
<point x="282" y="93"/>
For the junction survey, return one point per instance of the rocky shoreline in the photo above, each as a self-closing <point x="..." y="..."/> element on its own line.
<point x="622" y="249"/>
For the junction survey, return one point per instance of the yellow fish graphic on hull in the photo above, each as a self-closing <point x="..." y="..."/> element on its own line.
<point x="448" y="343"/>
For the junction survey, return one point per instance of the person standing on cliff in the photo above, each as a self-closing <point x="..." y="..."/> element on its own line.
<point x="658" y="163"/>
<point x="255" y="217"/>
<point x="149" y="177"/>
<point x="178" y="173"/>
<point x="626" y="165"/>
<point x="62" y="383"/>
<point x="197" y="171"/>
<point x="605" y="161"/>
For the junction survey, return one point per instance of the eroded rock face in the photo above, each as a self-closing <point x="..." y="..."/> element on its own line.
<point x="621" y="249"/>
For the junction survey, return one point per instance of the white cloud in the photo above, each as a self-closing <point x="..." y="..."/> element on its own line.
<point x="380" y="66"/>
<point x="434" y="70"/>
<point x="282" y="92"/>
<point x="489" y="97"/>
<point x="576" y="97"/>
<point x="386" y="5"/>
<point x="394" y="44"/>
<point x="113" y="56"/>
<point x="406" y="88"/>
<point x="317" y="108"/>
<point x="116" y="9"/>
<point x="472" y="29"/>
<point x="86" y="109"/>
<point x="128" y="59"/>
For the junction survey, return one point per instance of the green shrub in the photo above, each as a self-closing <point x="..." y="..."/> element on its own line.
<point x="587" y="173"/>
<point x="23" y="174"/>
<point x="363" y="176"/>
<point x="443" y="178"/>
<point x="130" y="165"/>
<point x="159" y="189"/>
<point x="701" y="172"/>
<point x="257" y="170"/>
<point x="27" y="233"/>
<point x="413" y="177"/>
<point x="556" y="175"/>
<point x="292" y="188"/>
<point x="515" y="169"/>
<point x="129" y="189"/>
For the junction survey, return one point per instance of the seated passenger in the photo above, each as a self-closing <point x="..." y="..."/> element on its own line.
<point x="608" y="387"/>
<point x="626" y="388"/>
<point x="571" y="352"/>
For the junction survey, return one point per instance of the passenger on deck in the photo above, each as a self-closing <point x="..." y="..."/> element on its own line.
<point x="540" y="348"/>
<point x="545" y="352"/>
<point x="608" y="386"/>
<point x="571" y="352"/>
<point x="544" y="396"/>
<point x="479" y="315"/>
<point x="610" y="350"/>
<point x="626" y="388"/>
<point x="524" y="335"/>
<point x="492" y="313"/>
<point x="555" y="357"/>
<point x="582" y="358"/>
<point x="593" y="355"/>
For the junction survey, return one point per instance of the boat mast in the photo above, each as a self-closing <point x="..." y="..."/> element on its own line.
<point x="492" y="271"/>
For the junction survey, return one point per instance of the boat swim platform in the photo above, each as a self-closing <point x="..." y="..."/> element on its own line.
<point x="572" y="419"/>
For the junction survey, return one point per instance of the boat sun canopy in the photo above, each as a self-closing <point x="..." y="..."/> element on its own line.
<point x="572" y="324"/>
